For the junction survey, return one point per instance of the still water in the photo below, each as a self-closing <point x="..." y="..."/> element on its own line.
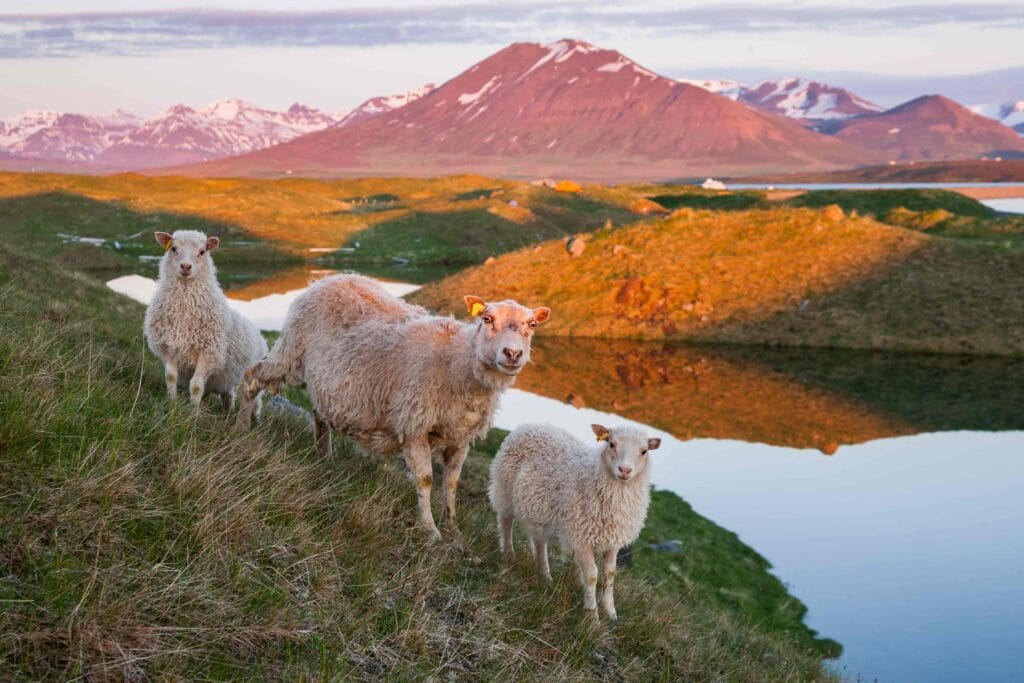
<point x="884" y="488"/>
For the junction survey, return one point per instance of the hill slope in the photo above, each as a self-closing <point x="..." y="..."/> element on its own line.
<point x="139" y="541"/>
<point x="782" y="276"/>
<point x="564" y="108"/>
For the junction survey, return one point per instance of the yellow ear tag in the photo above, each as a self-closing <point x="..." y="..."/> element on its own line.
<point x="478" y="308"/>
<point x="169" y="244"/>
<point x="603" y="437"/>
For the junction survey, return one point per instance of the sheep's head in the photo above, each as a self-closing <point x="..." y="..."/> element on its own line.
<point x="625" y="451"/>
<point x="186" y="253"/>
<point x="504" y="332"/>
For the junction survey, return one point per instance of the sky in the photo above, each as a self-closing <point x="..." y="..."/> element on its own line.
<point x="146" y="55"/>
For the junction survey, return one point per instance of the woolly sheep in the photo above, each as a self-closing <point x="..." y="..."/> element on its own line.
<point x="396" y="379"/>
<point x="203" y="343"/>
<point x="591" y="499"/>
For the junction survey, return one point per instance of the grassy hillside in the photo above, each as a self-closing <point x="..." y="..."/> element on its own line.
<point x="141" y="541"/>
<point x="783" y="276"/>
<point x="458" y="219"/>
<point x="968" y="170"/>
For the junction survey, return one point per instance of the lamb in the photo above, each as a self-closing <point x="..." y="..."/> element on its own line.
<point x="590" y="499"/>
<point x="203" y="343"/>
<point x="396" y="379"/>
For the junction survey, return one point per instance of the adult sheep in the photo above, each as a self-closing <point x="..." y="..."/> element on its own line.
<point x="203" y="343"/>
<point x="590" y="499"/>
<point x="395" y="378"/>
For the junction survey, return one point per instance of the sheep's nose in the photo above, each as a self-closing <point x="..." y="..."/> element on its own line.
<point x="512" y="355"/>
<point x="625" y="471"/>
<point x="186" y="267"/>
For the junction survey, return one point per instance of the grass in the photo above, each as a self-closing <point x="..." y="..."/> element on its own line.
<point x="794" y="277"/>
<point x="141" y="540"/>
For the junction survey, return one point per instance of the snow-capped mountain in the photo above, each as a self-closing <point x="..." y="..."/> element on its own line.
<point x="60" y="136"/>
<point x="1007" y="113"/>
<point x="567" y="107"/>
<point x="731" y="89"/>
<point x="179" y="135"/>
<point x="183" y="135"/>
<point x="800" y="98"/>
<point x="384" y="104"/>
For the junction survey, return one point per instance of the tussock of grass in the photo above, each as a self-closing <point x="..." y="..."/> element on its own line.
<point x="140" y="541"/>
<point x="784" y="276"/>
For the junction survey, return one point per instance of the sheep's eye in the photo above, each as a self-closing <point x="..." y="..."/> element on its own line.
<point x="201" y="252"/>
<point x="533" y="324"/>
<point x="174" y="249"/>
<point x="487" y="319"/>
<point x="643" y="452"/>
<point x="612" y="444"/>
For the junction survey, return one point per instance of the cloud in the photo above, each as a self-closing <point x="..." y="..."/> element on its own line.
<point x="135" y="33"/>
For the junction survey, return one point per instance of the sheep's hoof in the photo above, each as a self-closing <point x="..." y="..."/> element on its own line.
<point x="433" y="536"/>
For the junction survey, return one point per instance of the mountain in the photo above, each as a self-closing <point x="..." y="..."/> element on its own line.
<point x="182" y="135"/>
<point x="931" y="127"/>
<point x="567" y="108"/>
<point x="1007" y="113"/>
<point x="799" y="98"/>
<point x="123" y="141"/>
<point x="384" y="104"/>
<point x="49" y="135"/>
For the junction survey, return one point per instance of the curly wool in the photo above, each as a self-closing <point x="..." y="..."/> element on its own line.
<point x="189" y="318"/>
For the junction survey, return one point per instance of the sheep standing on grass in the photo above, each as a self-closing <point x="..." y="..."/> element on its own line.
<point x="203" y="343"/>
<point x="395" y="379"/>
<point x="591" y="499"/>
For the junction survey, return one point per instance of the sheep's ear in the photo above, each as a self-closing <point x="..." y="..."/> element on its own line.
<point x="600" y="431"/>
<point x="163" y="239"/>
<point x="474" y="304"/>
<point x="212" y="243"/>
<point x="652" y="444"/>
<point x="542" y="314"/>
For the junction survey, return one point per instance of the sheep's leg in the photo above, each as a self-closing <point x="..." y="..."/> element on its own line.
<point x="608" y="596"/>
<point x="540" y="551"/>
<point x="417" y="458"/>
<point x="252" y="386"/>
<point x="453" y="461"/>
<point x="171" y="378"/>
<point x="322" y="435"/>
<point x="227" y="399"/>
<point x="197" y="387"/>
<point x="588" y="577"/>
<point x="505" y="523"/>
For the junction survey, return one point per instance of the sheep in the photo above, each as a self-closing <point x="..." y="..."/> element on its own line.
<point x="396" y="379"/>
<point x="590" y="499"/>
<point x="203" y="343"/>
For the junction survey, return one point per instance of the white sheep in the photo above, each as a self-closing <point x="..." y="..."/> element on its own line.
<point x="203" y="343"/>
<point x="396" y="379"/>
<point x="591" y="499"/>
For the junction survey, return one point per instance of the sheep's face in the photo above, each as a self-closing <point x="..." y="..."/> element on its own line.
<point x="187" y="253"/>
<point x="504" y="332"/>
<point x="625" y="455"/>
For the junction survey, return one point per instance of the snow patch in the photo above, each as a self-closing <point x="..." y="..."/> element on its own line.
<point x="471" y="97"/>
<point x="612" y="67"/>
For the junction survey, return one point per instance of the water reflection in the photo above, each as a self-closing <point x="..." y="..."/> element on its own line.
<point x="800" y="398"/>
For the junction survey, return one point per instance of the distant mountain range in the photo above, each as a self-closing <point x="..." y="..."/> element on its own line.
<point x="566" y="108"/>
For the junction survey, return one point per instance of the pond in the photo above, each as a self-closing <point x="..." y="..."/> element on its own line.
<point x="884" y="488"/>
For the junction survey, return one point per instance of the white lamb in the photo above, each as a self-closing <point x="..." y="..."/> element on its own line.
<point x="591" y="499"/>
<point x="203" y="343"/>
<point x="396" y="379"/>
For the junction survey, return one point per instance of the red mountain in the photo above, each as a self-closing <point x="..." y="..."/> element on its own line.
<point x="930" y="127"/>
<point x="567" y="108"/>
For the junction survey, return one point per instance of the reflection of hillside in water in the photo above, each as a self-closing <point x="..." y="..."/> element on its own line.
<point x="801" y="398"/>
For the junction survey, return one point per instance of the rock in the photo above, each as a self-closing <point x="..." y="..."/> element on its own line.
<point x="399" y="261"/>
<point x="575" y="246"/>
<point x="490" y="261"/>
<point x="833" y="213"/>
<point x="618" y="249"/>
<point x="513" y="202"/>
<point x="667" y="546"/>
<point x="829" y="448"/>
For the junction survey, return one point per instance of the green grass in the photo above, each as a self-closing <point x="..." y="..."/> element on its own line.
<point x="43" y="222"/>
<point x="878" y="203"/>
<point x="141" y="540"/>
